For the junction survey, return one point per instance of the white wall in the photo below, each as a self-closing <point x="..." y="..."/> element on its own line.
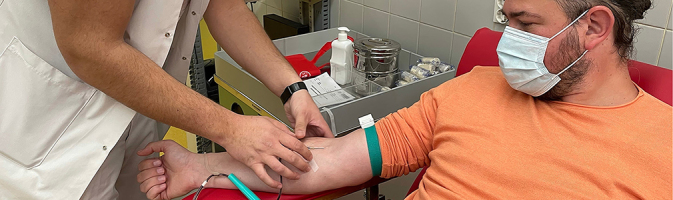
<point x="285" y="8"/>
<point x="442" y="28"/>
<point x="653" y="44"/>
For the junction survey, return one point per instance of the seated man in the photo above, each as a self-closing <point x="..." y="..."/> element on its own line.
<point x="514" y="132"/>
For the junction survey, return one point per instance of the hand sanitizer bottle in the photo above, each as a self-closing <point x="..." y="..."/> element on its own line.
<point x="341" y="62"/>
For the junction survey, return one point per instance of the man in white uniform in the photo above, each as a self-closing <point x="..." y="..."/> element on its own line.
<point x="73" y="74"/>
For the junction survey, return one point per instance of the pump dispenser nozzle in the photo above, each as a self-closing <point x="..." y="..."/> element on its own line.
<point x="342" y="33"/>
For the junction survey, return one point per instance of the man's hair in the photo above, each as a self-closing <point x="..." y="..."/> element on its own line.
<point x="625" y="12"/>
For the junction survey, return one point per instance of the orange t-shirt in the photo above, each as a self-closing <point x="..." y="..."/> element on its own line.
<point x="481" y="139"/>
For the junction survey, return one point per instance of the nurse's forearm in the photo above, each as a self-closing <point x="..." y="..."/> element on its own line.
<point x="130" y="77"/>
<point x="240" y="34"/>
<point x="90" y="35"/>
<point x="343" y="162"/>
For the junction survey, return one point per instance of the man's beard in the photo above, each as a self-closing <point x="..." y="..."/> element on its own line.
<point x="568" y="52"/>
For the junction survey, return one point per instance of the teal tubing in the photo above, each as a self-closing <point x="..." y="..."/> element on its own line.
<point x="245" y="190"/>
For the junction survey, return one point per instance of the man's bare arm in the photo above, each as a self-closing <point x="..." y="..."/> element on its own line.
<point x="343" y="162"/>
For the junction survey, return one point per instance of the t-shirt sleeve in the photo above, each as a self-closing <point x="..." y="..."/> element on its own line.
<point x="405" y="137"/>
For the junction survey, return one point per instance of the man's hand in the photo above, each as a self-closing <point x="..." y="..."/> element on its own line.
<point x="173" y="174"/>
<point x="305" y="117"/>
<point x="257" y="141"/>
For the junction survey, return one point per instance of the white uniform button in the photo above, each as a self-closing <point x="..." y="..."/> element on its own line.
<point x="193" y="13"/>
<point x="104" y="148"/>
<point x="167" y="34"/>
<point x="184" y="58"/>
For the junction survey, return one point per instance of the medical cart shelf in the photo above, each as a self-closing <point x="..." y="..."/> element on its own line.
<point x="250" y="91"/>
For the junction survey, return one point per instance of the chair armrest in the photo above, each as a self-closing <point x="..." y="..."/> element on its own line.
<point x="216" y="193"/>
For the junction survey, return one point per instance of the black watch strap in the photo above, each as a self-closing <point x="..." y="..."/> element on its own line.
<point x="289" y="90"/>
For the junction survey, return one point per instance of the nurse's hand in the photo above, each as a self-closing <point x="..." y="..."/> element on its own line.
<point x="257" y="141"/>
<point x="305" y="116"/>
<point x="172" y="175"/>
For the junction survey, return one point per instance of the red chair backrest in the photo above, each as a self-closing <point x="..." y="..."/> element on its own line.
<point x="480" y="51"/>
<point x="654" y="80"/>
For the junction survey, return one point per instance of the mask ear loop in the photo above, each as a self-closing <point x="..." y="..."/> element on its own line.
<point x="571" y="64"/>
<point x="571" y="23"/>
<point x="564" y="29"/>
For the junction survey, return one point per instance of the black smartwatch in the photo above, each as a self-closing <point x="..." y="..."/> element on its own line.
<point x="289" y="90"/>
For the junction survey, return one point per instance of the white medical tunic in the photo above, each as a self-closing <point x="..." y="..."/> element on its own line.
<point x="60" y="136"/>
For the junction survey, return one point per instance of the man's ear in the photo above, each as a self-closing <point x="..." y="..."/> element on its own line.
<point x="600" y="21"/>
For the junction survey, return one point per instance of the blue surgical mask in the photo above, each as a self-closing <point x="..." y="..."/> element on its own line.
<point x="521" y="57"/>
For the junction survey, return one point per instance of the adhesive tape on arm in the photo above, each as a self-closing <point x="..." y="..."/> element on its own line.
<point x="314" y="165"/>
